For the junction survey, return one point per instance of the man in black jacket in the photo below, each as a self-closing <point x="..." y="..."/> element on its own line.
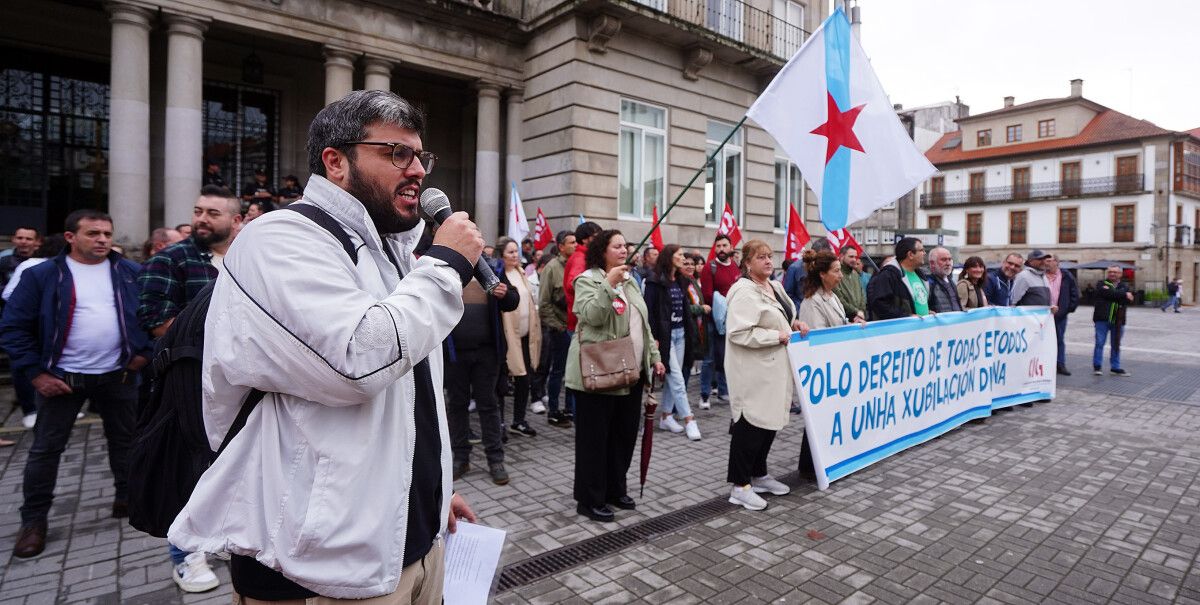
<point x="1064" y="294"/>
<point x="1112" y="298"/>
<point x="896" y="290"/>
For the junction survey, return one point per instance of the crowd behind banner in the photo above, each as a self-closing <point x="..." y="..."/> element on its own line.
<point x="575" y="333"/>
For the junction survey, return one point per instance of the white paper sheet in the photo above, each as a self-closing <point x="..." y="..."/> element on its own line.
<point x="472" y="554"/>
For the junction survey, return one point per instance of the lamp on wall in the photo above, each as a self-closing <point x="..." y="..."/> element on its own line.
<point x="252" y="69"/>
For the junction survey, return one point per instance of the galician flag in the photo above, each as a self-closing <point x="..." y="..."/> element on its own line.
<point x="518" y="225"/>
<point x="828" y="111"/>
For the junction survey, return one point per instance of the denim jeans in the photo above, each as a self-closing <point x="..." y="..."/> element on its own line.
<point x="674" y="397"/>
<point x="114" y="396"/>
<point x="1174" y="301"/>
<point x="177" y="554"/>
<point x="1103" y="328"/>
<point x="558" y="342"/>
<point x="26" y="395"/>
<point x="1060" y="328"/>
<point x="714" y="364"/>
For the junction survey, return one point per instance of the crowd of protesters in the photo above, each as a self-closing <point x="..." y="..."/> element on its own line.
<point x="401" y="335"/>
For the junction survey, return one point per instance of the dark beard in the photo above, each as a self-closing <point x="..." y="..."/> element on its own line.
<point x="378" y="203"/>
<point x="213" y="237"/>
<point x="723" y="256"/>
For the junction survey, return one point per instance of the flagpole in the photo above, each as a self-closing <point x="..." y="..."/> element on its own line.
<point x="685" y="189"/>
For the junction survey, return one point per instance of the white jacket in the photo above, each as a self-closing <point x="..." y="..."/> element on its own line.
<point x="316" y="485"/>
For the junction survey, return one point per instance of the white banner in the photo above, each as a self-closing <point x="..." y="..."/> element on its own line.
<point x="871" y="391"/>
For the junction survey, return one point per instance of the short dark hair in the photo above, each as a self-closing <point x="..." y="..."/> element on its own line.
<point x="72" y="222"/>
<point x="35" y="231"/>
<point x="586" y="230"/>
<point x="347" y="119"/>
<point x="52" y="245"/>
<point x="904" y="247"/>
<point x="722" y="236"/>
<point x="664" y="264"/>
<point x="562" y="236"/>
<point x="594" y="258"/>
<point x="216" y="191"/>
<point x="823" y="243"/>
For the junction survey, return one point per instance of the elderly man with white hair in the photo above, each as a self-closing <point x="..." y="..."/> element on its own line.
<point x="943" y="293"/>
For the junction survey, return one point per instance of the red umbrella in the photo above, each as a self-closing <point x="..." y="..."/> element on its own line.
<point x="651" y="410"/>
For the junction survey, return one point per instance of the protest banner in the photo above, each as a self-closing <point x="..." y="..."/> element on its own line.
<point x="870" y="391"/>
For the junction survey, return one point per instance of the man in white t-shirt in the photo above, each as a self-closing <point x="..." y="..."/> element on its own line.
<point x="72" y="325"/>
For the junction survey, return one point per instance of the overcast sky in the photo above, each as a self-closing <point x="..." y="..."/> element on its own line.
<point x="1141" y="58"/>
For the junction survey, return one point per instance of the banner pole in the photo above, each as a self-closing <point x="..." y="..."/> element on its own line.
<point x="685" y="189"/>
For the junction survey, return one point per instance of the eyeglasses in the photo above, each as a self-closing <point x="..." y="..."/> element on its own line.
<point x="402" y="155"/>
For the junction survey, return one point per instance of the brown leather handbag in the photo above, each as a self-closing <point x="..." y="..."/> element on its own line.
<point x="609" y="365"/>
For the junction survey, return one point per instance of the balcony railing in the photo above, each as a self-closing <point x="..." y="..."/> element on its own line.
<point x="737" y="21"/>
<point x="1108" y="185"/>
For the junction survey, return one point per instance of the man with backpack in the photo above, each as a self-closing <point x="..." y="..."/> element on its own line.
<point x="169" y="281"/>
<point x="71" y="325"/>
<point x="339" y="483"/>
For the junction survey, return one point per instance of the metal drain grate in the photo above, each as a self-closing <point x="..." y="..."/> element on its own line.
<point x="567" y="557"/>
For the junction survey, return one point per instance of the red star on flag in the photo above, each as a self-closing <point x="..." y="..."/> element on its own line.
<point x="839" y="129"/>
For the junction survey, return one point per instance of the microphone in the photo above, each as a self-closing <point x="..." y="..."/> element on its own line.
<point x="435" y="203"/>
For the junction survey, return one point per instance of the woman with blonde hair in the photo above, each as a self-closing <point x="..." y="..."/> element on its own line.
<point x="522" y="333"/>
<point x="758" y="325"/>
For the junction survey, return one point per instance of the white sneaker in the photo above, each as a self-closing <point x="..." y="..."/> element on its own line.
<point x="746" y="497"/>
<point x="537" y="407"/>
<point x="704" y="404"/>
<point x="79" y="416"/>
<point x="693" y="430"/>
<point x="471" y="406"/>
<point x="194" y="574"/>
<point x="767" y="483"/>
<point x="545" y="399"/>
<point x="29" y="420"/>
<point x="669" y="423"/>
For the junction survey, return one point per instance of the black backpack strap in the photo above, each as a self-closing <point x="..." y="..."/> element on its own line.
<point x="330" y="224"/>
<point x="248" y="406"/>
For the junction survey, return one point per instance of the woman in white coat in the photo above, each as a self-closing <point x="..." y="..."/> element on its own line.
<point x="758" y="325"/>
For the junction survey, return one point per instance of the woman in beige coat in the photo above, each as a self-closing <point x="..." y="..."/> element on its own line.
<point x="758" y="325"/>
<point x="522" y="335"/>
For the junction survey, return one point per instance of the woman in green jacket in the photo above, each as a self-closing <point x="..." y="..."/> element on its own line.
<point x="609" y="306"/>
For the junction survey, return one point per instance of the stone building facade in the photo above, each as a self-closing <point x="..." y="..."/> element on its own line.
<point x="600" y="108"/>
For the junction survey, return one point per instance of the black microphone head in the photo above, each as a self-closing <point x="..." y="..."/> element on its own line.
<point x="434" y="202"/>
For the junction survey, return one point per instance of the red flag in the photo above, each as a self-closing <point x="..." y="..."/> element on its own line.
<point x="797" y="236"/>
<point x="541" y="231"/>
<point x="727" y="226"/>
<point x="842" y="238"/>
<point x="656" y="235"/>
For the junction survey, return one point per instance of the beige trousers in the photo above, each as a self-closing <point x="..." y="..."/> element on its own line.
<point x="420" y="584"/>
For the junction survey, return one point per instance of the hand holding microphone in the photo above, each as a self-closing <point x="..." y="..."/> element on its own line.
<point x="457" y="232"/>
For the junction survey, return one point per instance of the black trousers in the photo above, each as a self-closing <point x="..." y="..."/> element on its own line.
<point x="114" y="395"/>
<point x="606" y="428"/>
<point x="521" y="386"/>
<point x="748" y="449"/>
<point x="473" y="374"/>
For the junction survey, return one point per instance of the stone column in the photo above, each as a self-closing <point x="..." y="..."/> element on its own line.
<point x="183" y="163"/>
<point x="378" y="74"/>
<point x="487" y="162"/>
<point x="339" y="73"/>
<point x="129" y="124"/>
<point x="513" y="171"/>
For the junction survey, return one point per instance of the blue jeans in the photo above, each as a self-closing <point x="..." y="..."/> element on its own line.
<point x="1174" y="301"/>
<point x="177" y="555"/>
<point x="1114" y="353"/>
<point x="714" y="364"/>
<point x="26" y="395"/>
<point x="559" y="343"/>
<point x="674" y="399"/>
<point x="1060" y="328"/>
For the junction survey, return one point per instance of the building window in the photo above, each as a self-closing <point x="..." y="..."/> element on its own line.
<point x="642" y="164"/>
<point x="241" y="132"/>
<point x="977" y="192"/>
<point x="983" y="138"/>
<point x="1068" y="225"/>
<point x="934" y="221"/>
<point x="1123" y="222"/>
<point x="1018" y="226"/>
<point x="1020" y="183"/>
<point x="1128" y="178"/>
<point x="789" y="191"/>
<point x="1071" y="178"/>
<point x="788" y="40"/>
<point x="725" y="18"/>
<point x="723" y="175"/>
<point x="1045" y="128"/>
<point x="937" y="190"/>
<point x="974" y="229"/>
<point x="1012" y="134"/>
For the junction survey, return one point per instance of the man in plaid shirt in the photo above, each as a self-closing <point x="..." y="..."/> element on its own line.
<point x="174" y="276"/>
<point x="169" y="280"/>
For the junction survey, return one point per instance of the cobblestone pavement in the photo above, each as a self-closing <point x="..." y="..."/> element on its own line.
<point x="1090" y="498"/>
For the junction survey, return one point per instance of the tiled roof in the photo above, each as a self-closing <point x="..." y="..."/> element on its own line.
<point x="1195" y="132"/>
<point x="1109" y="126"/>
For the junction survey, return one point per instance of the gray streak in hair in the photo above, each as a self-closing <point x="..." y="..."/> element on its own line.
<point x="347" y="120"/>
